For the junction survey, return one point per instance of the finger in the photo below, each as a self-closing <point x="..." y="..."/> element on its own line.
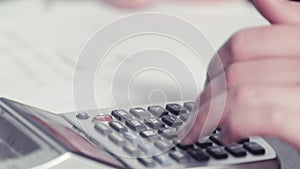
<point x="259" y="43"/>
<point x="208" y="117"/>
<point x="256" y="72"/>
<point x="258" y="121"/>
<point x="238" y="101"/>
<point x="279" y="11"/>
<point x="264" y="111"/>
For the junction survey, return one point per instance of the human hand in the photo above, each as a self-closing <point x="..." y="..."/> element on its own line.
<point x="260" y="67"/>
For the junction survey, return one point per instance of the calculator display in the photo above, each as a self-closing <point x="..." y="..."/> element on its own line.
<point x="59" y="130"/>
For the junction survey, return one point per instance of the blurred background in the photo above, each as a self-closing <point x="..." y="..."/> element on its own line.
<point x="40" y="40"/>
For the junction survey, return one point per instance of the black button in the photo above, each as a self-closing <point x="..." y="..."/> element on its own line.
<point x="198" y="154"/>
<point x="185" y="147"/>
<point x="236" y="150"/>
<point x="216" y="139"/>
<point x="119" y="127"/>
<point x="204" y="144"/>
<point x="168" y="133"/>
<point x="148" y="162"/>
<point x="175" y="109"/>
<point x="217" y="152"/>
<point x="189" y="106"/>
<point x="135" y="125"/>
<point x="216" y="131"/>
<point x="149" y="133"/>
<point x="179" y="156"/>
<point x="171" y="120"/>
<point x="157" y="111"/>
<point x="121" y="115"/>
<point x="139" y="113"/>
<point x="154" y="123"/>
<point x="254" y="148"/>
<point x="244" y="140"/>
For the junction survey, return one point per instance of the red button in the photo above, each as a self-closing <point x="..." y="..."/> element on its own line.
<point x="102" y="118"/>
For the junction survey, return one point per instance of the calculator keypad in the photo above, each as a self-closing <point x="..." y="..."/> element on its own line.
<point x="150" y="135"/>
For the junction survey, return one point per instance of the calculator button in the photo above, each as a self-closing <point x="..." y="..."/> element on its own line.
<point x="184" y="117"/>
<point x="82" y="116"/>
<point x="179" y="156"/>
<point x="216" y="139"/>
<point x="102" y="128"/>
<point x="133" y="138"/>
<point x="168" y="133"/>
<point x="148" y="162"/>
<point x="147" y="148"/>
<point x="236" y="150"/>
<point x="163" y="145"/>
<point x="157" y="111"/>
<point x="139" y="113"/>
<point x="121" y="115"/>
<point x="205" y="144"/>
<point x="102" y="118"/>
<point x="149" y="134"/>
<point x="119" y="127"/>
<point x="154" y="123"/>
<point x="217" y="152"/>
<point x="117" y="139"/>
<point x="135" y="125"/>
<point x="185" y="147"/>
<point x="175" y="109"/>
<point x="216" y="131"/>
<point x="171" y="120"/>
<point x="254" y="148"/>
<point x="163" y="160"/>
<point x="131" y="149"/>
<point x="198" y="154"/>
<point x="189" y="106"/>
<point x="244" y="140"/>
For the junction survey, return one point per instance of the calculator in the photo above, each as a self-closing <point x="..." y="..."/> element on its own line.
<point x="142" y="136"/>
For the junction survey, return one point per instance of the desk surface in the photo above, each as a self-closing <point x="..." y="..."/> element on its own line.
<point x="42" y="39"/>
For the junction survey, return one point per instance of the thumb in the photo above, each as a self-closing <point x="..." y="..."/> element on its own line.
<point x="279" y="11"/>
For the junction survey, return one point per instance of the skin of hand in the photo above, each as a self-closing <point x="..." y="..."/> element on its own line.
<point x="261" y="68"/>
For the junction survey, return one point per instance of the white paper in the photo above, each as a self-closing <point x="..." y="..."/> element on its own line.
<point x="41" y="40"/>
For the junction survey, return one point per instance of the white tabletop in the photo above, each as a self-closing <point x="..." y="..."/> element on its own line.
<point x="41" y="41"/>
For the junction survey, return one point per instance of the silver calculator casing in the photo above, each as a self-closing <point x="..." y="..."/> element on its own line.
<point x="54" y="155"/>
